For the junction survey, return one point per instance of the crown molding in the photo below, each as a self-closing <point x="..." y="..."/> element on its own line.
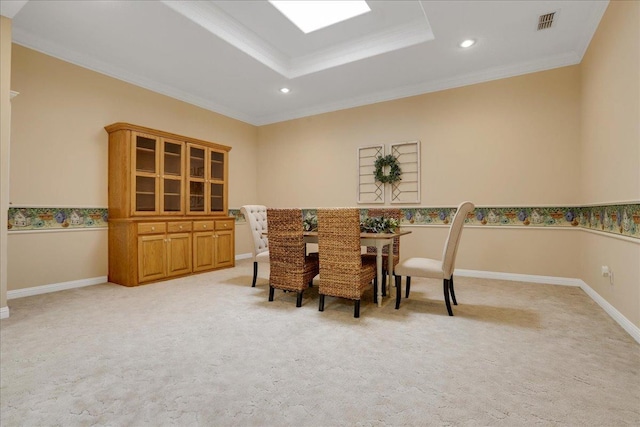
<point x="9" y="9"/>
<point x="217" y="22"/>
<point x="591" y="27"/>
<point x="389" y="40"/>
<point x="57" y="51"/>
<point x="48" y="48"/>
<point x="482" y="76"/>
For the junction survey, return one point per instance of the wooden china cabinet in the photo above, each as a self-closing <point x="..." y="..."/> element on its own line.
<point x="167" y="205"/>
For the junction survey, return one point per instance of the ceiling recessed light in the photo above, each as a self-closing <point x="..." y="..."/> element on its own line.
<point x="467" y="43"/>
<point x="285" y="90"/>
<point x="312" y="15"/>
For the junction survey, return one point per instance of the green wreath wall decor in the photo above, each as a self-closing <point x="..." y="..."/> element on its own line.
<point x="395" y="173"/>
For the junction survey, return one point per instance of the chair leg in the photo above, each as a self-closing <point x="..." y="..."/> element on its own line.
<point x="299" y="299"/>
<point x="445" y="285"/>
<point x="321" y="307"/>
<point x="398" y="290"/>
<point x="356" y="309"/>
<point x="270" y="293"/>
<point x="408" y="287"/>
<point x="384" y="283"/>
<point x="375" y="290"/>
<point x="255" y="274"/>
<point x="453" y="294"/>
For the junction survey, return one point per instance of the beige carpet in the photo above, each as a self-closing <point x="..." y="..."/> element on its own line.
<point x="209" y="350"/>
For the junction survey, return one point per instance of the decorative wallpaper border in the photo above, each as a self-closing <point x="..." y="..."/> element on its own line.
<point x="240" y="219"/>
<point x="621" y="219"/>
<point x="23" y="219"/>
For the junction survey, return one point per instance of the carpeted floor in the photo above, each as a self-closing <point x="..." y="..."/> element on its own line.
<point x="209" y="350"/>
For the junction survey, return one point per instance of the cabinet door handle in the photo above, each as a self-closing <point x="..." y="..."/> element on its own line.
<point x="153" y="229"/>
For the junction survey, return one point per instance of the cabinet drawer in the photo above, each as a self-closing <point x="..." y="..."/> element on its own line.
<point x="224" y="225"/>
<point x="202" y="225"/>
<point x="178" y="226"/>
<point x="152" y="227"/>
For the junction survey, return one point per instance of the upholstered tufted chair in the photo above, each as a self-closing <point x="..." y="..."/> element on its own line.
<point x="256" y="216"/>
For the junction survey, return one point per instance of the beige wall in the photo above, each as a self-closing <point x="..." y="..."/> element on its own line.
<point x="510" y="142"/>
<point x="610" y="141"/>
<point x="5" y="136"/>
<point x="59" y="157"/>
<point x="610" y="150"/>
<point x="507" y="142"/>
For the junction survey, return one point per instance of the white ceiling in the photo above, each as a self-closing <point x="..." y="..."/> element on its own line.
<point x="232" y="57"/>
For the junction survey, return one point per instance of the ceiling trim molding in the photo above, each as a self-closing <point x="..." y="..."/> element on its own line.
<point x="591" y="27"/>
<point x="52" y="49"/>
<point x="9" y="9"/>
<point x="219" y="23"/>
<point x="44" y="46"/>
<point x="482" y="76"/>
<point x="365" y="47"/>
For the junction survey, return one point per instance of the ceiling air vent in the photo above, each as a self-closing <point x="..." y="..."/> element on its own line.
<point x="545" y="21"/>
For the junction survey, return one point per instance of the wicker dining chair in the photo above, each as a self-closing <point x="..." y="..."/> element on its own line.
<point x="371" y="250"/>
<point x="344" y="272"/>
<point x="290" y="269"/>
<point x="433" y="268"/>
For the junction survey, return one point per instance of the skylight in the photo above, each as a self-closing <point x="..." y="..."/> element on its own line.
<point x="312" y="15"/>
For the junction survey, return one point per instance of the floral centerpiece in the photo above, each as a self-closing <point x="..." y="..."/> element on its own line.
<point x="380" y="224"/>
<point x="310" y="223"/>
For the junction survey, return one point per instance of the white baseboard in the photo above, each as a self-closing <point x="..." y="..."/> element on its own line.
<point x="529" y="278"/>
<point x="243" y="256"/>
<point x="625" y="323"/>
<point x="4" y="312"/>
<point x="54" y="287"/>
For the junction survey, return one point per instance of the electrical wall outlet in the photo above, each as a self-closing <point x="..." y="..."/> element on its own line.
<point x="607" y="272"/>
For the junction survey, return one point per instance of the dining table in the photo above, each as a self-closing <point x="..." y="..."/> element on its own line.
<point x="377" y="240"/>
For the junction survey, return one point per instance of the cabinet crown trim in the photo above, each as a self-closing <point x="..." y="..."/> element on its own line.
<point x="136" y="128"/>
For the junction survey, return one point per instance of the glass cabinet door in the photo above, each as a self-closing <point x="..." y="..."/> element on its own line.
<point x="145" y="152"/>
<point x="171" y="184"/>
<point x="206" y="186"/>
<point x="197" y="177"/>
<point x="216" y="181"/>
